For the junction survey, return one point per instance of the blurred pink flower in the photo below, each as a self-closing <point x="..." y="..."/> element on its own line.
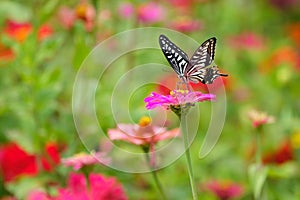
<point x="150" y="12"/>
<point x="87" y="13"/>
<point x="176" y="97"/>
<point x="247" y="40"/>
<point x="142" y="133"/>
<point x="66" y="17"/>
<point x="126" y="9"/>
<point x="181" y="3"/>
<point x="259" y="118"/>
<point x="186" y="24"/>
<point x="38" y="195"/>
<point x="224" y="190"/>
<point x="83" y="11"/>
<point x="99" y="187"/>
<point x="79" y="160"/>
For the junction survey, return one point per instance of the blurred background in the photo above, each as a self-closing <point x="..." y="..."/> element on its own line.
<point x="43" y="44"/>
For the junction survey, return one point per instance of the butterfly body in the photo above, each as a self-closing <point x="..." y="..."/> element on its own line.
<point x="198" y="68"/>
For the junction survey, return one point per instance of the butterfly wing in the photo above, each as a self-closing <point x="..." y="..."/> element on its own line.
<point x="199" y="69"/>
<point x="205" y="54"/>
<point x="177" y="58"/>
<point x="205" y="75"/>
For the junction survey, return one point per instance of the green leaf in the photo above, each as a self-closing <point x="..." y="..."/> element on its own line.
<point x="14" y="10"/>
<point x="257" y="174"/>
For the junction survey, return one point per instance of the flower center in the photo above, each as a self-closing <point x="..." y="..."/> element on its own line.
<point x="81" y="11"/>
<point x="144" y="121"/>
<point x="175" y="92"/>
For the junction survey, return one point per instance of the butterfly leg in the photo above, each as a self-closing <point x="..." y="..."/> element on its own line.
<point x="182" y="84"/>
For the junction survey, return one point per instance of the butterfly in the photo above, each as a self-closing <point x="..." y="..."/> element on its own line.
<point x="198" y="68"/>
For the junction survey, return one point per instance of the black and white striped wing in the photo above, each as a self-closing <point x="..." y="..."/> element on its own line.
<point x="199" y="69"/>
<point x="205" y="75"/>
<point x="204" y="55"/>
<point x="177" y="58"/>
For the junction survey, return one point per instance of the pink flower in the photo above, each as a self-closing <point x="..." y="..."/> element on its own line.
<point x="38" y="195"/>
<point x="66" y="17"/>
<point x="224" y="189"/>
<point x="99" y="187"/>
<point x="87" y="13"/>
<point x="150" y="12"/>
<point x="176" y="97"/>
<point x="259" y="118"/>
<point x="247" y="40"/>
<point x="83" y="11"/>
<point x="186" y="24"/>
<point x="79" y="160"/>
<point x="126" y="10"/>
<point x="142" y="133"/>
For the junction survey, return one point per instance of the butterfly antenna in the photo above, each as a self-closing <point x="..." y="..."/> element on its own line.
<point x="220" y="74"/>
<point x="223" y="74"/>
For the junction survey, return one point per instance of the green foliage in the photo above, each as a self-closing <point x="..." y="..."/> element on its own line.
<point x="36" y="87"/>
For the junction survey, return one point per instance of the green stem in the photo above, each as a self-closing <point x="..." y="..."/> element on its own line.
<point x="154" y="175"/>
<point x="158" y="184"/>
<point x="258" y="149"/>
<point x="258" y="161"/>
<point x="188" y="158"/>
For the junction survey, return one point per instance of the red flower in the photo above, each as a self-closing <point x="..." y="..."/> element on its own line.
<point x="214" y="86"/>
<point x="45" y="31"/>
<point x="6" y="54"/>
<point x="16" y="30"/>
<point x="51" y="157"/>
<point x="20" y="31"/>
<point x="283" y="154"/>
<point x="14" y="162"/>
<point x="169" y="81"/>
